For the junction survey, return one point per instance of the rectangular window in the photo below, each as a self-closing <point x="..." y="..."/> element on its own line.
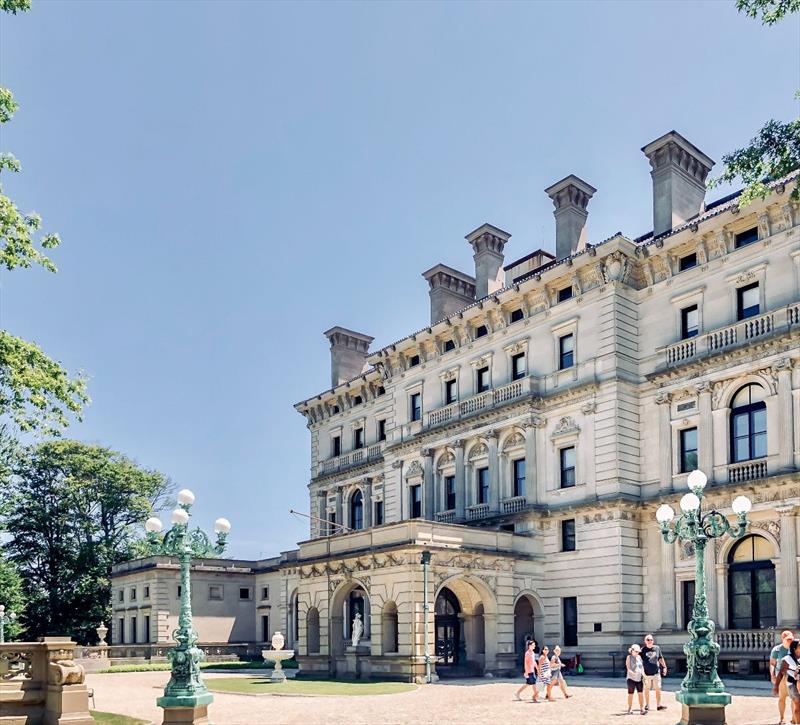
<point x="690" y="322"/>
<point x="565" y="294"/>
<point x="450" y="392"/>
<point x="518" y="366"/>
<point x="413" y="361"/>
<point x="147" y="629"/>
<point x="332" y="523"/>
<point x="378" y="520"/>
<point x="566" y="351"/>
<point x="244" y="592"/>
<point x="747" y="301"/>
<point x="180" y="591"/>
<point x="334" y="409"/>
<point x="519" y="477"/>
<point x="265" y="592"/>
<point x="687" y="600"/>
<point x="381" y="390"/>
<point x="516" y="315"/>
<point x="688" y="450"/>
<point x="449" y="492"/>
<point x="570" y="611"/>
<point x="121" y="595"/>
<point x="381" y="430"/>
<point x="134" y="633"/>
<point x="449" y="345"/>
<point x="121" y="628"/>
<point x="687" y="262"/>
<point x="483" y="379"/>
<point x="567" y="456"/>
<point x="265" y="635"/>
<point x="358" y="438"/>
<point x="215" y="592"/>
<point x="416" y="406"/>
<point x="357" y="400"/>
<point x="133" y="594"/>
<point x="747" y="237"/>
<point x="416" y="501"/>
<point x="568" y="535"/>
<point x="481" y="331"/>
<point x="147" y="592"/>
<point x="483" y="485"/>
<point x="336" y="445"/>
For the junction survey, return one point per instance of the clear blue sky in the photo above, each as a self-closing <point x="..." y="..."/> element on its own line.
<point x="231" y="179"/>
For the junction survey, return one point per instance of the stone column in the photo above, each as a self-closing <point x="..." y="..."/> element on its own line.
<point x="461" y="487"/>
<point x="783" y="370"/>
<point x="668" y="612"/>
<point x="339" y="510"/>
<point x="588" y="448"/>
<point x="322" y="513"/>
<point x="663" y="400"/>
<point x="533" y="494"/>
<point x="788" y="609"/>
<point x="711" y="579"/>
<point x="367" y="511"/>
<point x="705" y="431"/>
<point x="494" y="478"/>
<point x="428" y="486"/>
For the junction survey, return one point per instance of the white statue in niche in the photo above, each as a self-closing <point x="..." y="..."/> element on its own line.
<point x="358" y="629"/>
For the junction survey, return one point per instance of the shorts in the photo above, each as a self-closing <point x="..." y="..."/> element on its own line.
<point x="794" y="695"/>
<point x="652" y="681"/>
<point x="531" y="679"/>
<point x="634" y="686"/>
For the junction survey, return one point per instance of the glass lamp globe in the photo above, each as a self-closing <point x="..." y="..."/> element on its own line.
<point x="2" y="609"/>
<point x="13" y="615"/>
<point x="742" y="505"/>
<point x="665" y="514"/>
<point x="222" y="526"/>
<point x="186" y="497"/>
<point x="179" y="516"/>
<point x="690" y="502"/>
<point x="697" y="479"/>
<point x="153" y="525"/>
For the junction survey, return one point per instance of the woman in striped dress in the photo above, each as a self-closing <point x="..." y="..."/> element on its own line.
<point x="544" y="672"/>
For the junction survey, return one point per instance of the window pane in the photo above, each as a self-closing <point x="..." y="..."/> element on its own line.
<point x="760" y="445"/>
<point x="741" y="424"/>
<point x="760" y="420"/>
<point x="741" y="582"/>
<point x="765" y="581"/>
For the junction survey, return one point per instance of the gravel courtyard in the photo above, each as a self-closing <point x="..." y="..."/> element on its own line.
<point x="594" y="702"/>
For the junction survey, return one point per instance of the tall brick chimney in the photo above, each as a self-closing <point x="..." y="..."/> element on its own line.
<point x="349" y="352"/>
<point x="679" y="171"/>
<point x="570" y="197"/>
<point x="487" y="244"/>
<point x="450" y="291"/>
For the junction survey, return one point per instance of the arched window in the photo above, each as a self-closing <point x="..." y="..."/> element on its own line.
<point x="295" y="606"/>
<point x="389" y="624"/>
<point x="748" y="424"/>
<point x="312" y="630"/>
<point x="751" y="584"/>
<point x="357" y="511"/>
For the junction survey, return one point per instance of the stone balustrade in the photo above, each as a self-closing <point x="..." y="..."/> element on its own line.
<point x="740" y="333"/>
<point x="482" y="401"/>
<point x="349" y="460"/>
<point x="515" y="504"/>
<point x="446" y="517"/>
<point x="478" y="511"/>
<point x="746" y="641"/>
<point x="747" y="471"/>
<point x="41" y="683"/>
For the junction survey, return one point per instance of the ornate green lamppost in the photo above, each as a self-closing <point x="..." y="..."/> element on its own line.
<point x="702" y="692"/>
<point x="186" y="698"/>
<point x="5" y="619"/>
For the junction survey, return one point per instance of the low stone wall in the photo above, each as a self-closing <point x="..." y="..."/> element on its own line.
<point x="41" y="683"/>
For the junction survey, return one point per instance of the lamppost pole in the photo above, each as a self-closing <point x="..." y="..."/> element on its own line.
<point x="5" y="619"/>
<point x="426" y="560"/>
<point x="185" y="690"/>
<point x="702" y="691"/>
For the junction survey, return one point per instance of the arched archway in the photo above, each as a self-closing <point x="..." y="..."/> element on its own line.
<point x="447" y="626"/>
<point x="312" y="631"/>
<point x="357" y="510"/>
<point x="350" y="598"/>
<point x="389" y="629"/>
<point x="751" y="584"/>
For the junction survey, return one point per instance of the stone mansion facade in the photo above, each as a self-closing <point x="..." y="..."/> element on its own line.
<point x="527" y="434"/>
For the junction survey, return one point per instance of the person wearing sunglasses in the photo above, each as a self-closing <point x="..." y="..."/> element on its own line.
<point x="654" y="667"/>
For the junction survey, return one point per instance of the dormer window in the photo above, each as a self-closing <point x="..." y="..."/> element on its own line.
<point x="565" y="294"/>
<point x="413" y="360"/>
<point x="516" y="315"/>
<point x="381" y="390"/>
<point x="358" y="400"/>
<point x="334" y="409"/>
<point x="687" y="262"/>
<point x="449" y="345"/>
<point x="747" y="237"/>
<point x="481" y="331"/>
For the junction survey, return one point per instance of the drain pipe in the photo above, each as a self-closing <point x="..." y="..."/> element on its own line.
<point x="426" y="560"/>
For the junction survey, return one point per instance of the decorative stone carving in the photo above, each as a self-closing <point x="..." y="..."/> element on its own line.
<point x="589" y="407"/>
<point x="478" y="451"/>
<point x="616" y="264"/>
<point x="663" y="397"/>
<point x="447" y="459"/>
<point x="565" y="426"/>
<point x="358" y="629"/>
<point x="763" y="225"/>
<point x="65" y="672"/>
<point x="536" y="421"/>
<point x="516" y="439"/>
<point x="787" y="215"/>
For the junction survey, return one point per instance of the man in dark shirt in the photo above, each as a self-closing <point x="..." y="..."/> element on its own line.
<point x="654" y="667"/>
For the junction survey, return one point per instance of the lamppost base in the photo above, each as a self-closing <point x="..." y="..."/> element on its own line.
<point x="703" y="708"/>
<point x="186" y="710"/>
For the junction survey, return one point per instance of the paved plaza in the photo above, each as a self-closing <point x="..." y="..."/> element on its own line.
<point x="594" y="702"/>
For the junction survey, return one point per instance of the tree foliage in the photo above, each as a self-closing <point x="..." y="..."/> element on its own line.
<point x="36" y="393"/>
<point x="12" y="596"/>
<point x="771" y="11"/>
<point x="74" y="510"/>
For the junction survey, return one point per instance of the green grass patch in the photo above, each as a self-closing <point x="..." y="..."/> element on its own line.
<point x="109" y="718"/>
<point x="234" y="666"/>
<point x="263" y="686"/>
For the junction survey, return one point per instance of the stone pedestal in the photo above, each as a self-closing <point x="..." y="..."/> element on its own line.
<point x="352" y="657"/>
<point x="192" y="710"/>
<point x="703" y="708"/>
<point x="68" y="704"/>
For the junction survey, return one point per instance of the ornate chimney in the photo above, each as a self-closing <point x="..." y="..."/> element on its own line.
<point x="450" y="291"/>
<point x="570" y="197"/>
<point x="679" y="171"/>
<point x="487" y="244"/>
<point x="349" y="352"/>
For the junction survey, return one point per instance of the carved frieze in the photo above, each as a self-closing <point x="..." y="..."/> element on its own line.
<point x="565" y="426"/>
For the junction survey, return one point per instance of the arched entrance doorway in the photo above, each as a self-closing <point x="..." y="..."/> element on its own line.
<point x="524" y="625"/>
<point x="447" y="625"/>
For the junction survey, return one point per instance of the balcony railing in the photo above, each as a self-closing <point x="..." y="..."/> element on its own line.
<point x="482" y="401"/>
<point x="349" y="460"/>
<point x="740" y="333"/>
<point x="478" y="511"/>
<point x="744" y="641"/>
<point x="512" y="505"/>
<point x="747" y="471"/>
<point x="446" y="517"/>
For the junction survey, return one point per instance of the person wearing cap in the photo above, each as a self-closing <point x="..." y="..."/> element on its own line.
<point x="779" y="651"/>
<point x="654" y="667"/>
<point x="635" y="675"/>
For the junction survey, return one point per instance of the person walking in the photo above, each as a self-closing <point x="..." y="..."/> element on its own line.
<point x="530" y="669"/>
<point x="787" y="672"/>
<point x="654" y="667"/>
<point x="556" y="667"/>
<point x="776" y="655"/>
<point x="635" y="675"/>
<point x="545" y="676"/>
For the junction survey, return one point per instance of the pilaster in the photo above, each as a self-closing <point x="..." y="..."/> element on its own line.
<point x="668" y="611"/>
<point x="428" y="485"/>
<point x="494" y="478"/>
<point x="788" y="605"/>
<point x="664" y="400"/>
<point x="461" y="489"/>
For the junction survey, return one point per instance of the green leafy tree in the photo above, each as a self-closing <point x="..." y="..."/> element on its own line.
<point x="12" y="596"/>
<point x="775" y="150"/>
<point x="74" y="510"/>
<point x="36" y="393"/>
